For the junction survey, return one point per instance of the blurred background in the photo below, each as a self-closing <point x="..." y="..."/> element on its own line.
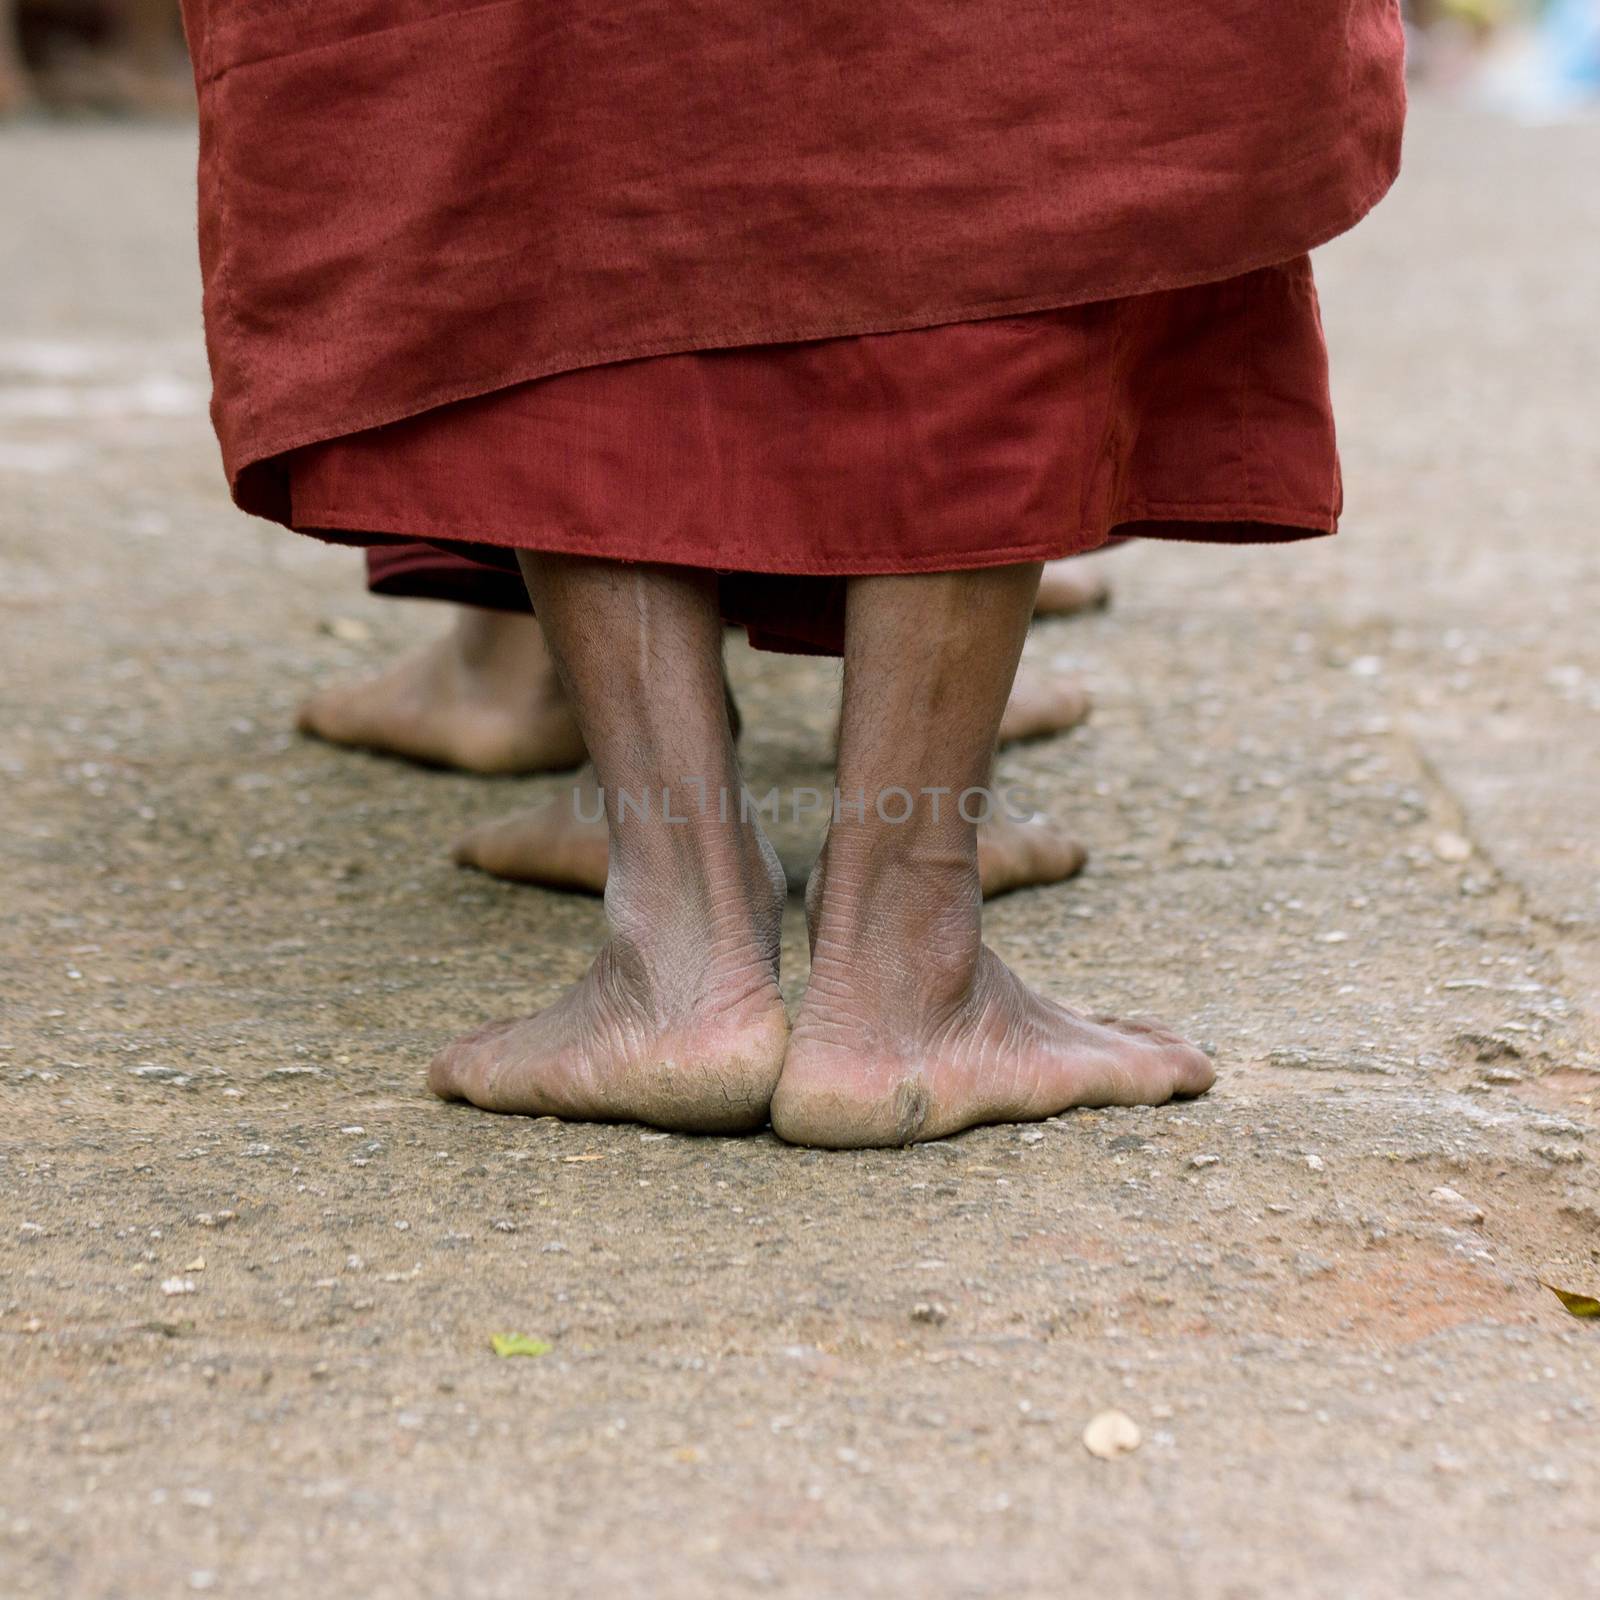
<point x="125" y="57"/>
<point x="107" y="57"/>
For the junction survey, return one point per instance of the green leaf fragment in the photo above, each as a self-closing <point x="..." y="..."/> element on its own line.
<point x="1580" y="1305"/>
<point x="517" y="1344"/>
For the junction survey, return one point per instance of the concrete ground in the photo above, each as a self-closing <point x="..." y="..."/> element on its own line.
<point x="1342" y="807"/>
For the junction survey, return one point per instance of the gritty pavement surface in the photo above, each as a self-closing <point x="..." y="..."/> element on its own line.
<point x="1342" y="806"/>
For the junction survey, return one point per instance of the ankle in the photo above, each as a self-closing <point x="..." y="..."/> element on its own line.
<point x="897" y="907"/>
<point x="698" y="891"/>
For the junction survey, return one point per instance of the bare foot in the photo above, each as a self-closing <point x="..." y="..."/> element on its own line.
<point x="484" y="698"/>
<point x="911" y="1029"/>
<point x="1069" y="587"/>
<point x="563" y="844"/>
<point x="678" y="1023"/>
<point x="1025" y="855"/>
<point x="1043" y="701"/>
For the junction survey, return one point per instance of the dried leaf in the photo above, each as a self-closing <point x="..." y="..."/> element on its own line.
<point x="1580" y="1305"/>
<point x="1111" y="1434"/>
<point x="517" y="1344"/>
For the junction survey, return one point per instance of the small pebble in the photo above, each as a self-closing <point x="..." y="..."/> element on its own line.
<point x="1456" y="1206"/>
<point x="1111" y="1434"/>
<point x="1558" y="1155"/>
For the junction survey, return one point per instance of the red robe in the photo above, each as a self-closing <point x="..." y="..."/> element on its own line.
<point x="405" y="203"/>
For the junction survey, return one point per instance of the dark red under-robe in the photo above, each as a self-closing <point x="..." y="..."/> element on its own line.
<point x="409" y="203"/>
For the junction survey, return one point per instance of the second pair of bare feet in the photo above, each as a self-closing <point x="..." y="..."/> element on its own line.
<point x="486" y="698"/>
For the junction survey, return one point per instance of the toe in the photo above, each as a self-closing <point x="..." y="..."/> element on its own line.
<point x="1042" y="704"/>
<point x="313" y="716"/>
<point x="349" y="714"/>
<point x="1196" y="1071"/>
<point x="498" y="848"/>
<point x="462" y="1070"/>
<point x="1066" y="859"/>
<point x="1072" y="704"/>
<point x="467" y="851"/>
<point x="444" y="1074"/>
<point x="535" y="847"/>
<point x="1019" y="855"/>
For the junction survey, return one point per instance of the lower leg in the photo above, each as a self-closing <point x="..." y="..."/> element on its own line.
<point x="910" y="1028"/>
<point x="679" y="1021"/>
<point x="485" y="697"/>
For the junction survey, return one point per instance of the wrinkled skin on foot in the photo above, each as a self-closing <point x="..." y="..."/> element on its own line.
<point x="595" y="1056"/>
<point x="677" y="1024"/>
<point x="892" y="1052"/>
<point x="996" y="1053"/>
<point x="442" y="706"/>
